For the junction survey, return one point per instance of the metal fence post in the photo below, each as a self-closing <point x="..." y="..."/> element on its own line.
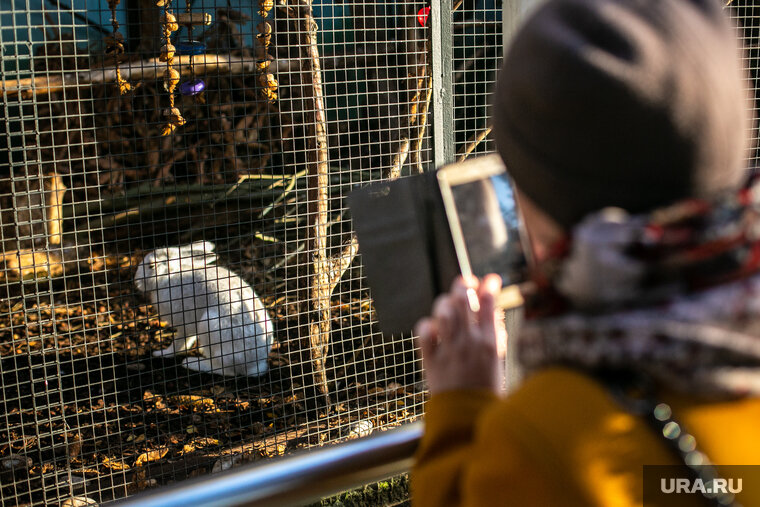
<point x="443" y="104"/>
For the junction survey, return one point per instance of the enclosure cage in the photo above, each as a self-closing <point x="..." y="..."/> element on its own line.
<point x="135" y="128"/>
<point x="746" y="14"/>
<point x="132" y="126"/>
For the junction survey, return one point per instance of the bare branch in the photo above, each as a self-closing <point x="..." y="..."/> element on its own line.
<point x="322" y="269"/>
<point x="473" y="143"/>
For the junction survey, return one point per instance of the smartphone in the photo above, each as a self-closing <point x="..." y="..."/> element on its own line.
<point x="417" y="234"/>
<point x="486" y="229"/>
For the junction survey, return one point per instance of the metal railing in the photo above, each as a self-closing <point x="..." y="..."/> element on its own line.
<point x="297" y="479"/>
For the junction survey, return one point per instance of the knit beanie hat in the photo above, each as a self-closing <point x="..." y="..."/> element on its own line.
<point x="627" y="103"/>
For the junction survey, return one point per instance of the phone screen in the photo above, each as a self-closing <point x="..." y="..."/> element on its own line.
<point x="483" y="217"/>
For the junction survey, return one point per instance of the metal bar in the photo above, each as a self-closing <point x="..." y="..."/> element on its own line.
<point x="296" y="479"/>
<point x="443" y="93"/>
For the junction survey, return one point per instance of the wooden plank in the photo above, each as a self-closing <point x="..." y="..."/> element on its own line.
<point x="194" y="18"/>
<point x="131" y="71"/>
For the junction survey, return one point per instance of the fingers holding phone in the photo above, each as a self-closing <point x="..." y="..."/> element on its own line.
<point x="460" y="348"/>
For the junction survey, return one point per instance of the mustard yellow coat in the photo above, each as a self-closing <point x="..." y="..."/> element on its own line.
<point x="562" y="440"/>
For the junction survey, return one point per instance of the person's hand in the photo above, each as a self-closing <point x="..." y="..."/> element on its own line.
<point x="460" y="348"/>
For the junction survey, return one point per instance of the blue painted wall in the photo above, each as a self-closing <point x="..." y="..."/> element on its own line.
<point x="23" y="23"/>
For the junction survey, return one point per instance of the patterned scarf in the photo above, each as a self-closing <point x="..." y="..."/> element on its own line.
<point x="674" y="295"/>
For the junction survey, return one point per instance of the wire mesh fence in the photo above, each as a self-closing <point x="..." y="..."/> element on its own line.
<point x="477" y="52"/>
<point x="180" y="289"/>
<point x="172" y="178"/>
<point x="746" y="14"/>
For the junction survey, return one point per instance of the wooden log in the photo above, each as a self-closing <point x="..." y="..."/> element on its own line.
<point x="194" y="18"/>
<point x="20" y="265"/>
<point x="154" y="69"/>
<point x="144" y="69"/>
<point x="318" y="204"/>
<point x="55" y="191"/>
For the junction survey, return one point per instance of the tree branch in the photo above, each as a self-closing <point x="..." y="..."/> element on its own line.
<point x="475" y="140"/>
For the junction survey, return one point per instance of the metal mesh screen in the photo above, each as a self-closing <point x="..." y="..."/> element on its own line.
<point x="746" y="14"/>
<point x="134" y="133"/>
<point x="244" y="128"/>
<point x="477" y="52"/>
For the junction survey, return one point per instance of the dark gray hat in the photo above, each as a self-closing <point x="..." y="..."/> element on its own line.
<point x="628" y="103"/>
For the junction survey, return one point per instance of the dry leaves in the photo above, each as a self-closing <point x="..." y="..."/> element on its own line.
<point x="194" y="402"/>
<point x="149" y="456"/>
<point x="115" y="464"/>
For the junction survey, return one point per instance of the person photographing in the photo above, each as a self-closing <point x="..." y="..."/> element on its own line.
<point x="624" y="125"/>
